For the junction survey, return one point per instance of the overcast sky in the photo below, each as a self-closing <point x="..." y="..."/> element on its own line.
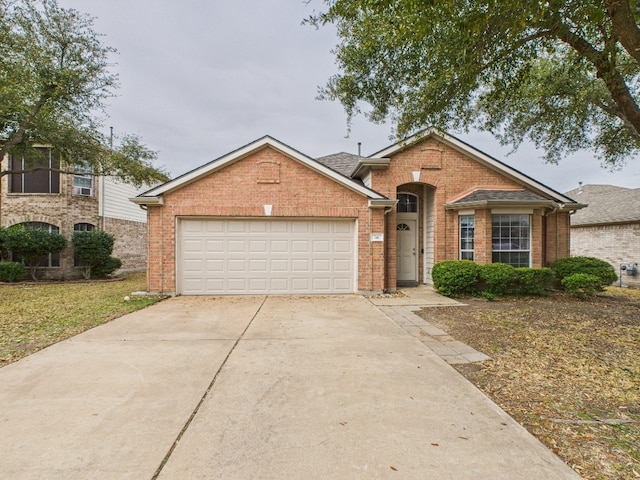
<point x="200" y="78"/>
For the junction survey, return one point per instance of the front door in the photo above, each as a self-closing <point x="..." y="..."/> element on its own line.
<point x="407" y="263"/>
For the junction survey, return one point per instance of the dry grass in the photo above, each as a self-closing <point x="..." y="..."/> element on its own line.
<point x="567" y="369"/>
<point x="34" y="316"/>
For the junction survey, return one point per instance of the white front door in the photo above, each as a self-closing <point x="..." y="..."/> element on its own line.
<point x="406" y="255"/>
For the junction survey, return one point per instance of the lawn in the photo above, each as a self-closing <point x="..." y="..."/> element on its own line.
<point x="34" y="316"/>
<point x="565" y="368"/>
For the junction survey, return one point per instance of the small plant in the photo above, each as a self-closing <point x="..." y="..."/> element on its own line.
<point x="582" y="284"/>
<point x="499" y="278"/>
<point x="565" y="267"/>
<point x="11" y="271"/>
<point x="455" y="277"/>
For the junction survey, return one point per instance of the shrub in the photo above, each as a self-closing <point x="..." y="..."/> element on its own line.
<point x="11" y="271"/>
<point x="533" y="281"/>
<point x="109" y="266"/>
<point x="582" y="284"/>
<point x="455" y="277"/>
<point x="93" y="251"/>
<point x="499" y="278"/>
<point x="32" y="245"/>
<point x="565" y="267"/>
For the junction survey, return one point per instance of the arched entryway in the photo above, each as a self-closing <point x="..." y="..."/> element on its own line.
<point x="414" y="234"/>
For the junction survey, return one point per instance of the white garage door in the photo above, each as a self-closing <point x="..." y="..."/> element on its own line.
<point x="256" y="256"/>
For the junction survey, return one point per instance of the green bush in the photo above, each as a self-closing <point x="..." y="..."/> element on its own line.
<point x="11" y="271"/>
<point x="533" y="281"/>
<point x="32" y="245"/>
<point x="582" y="284"/>
<point x="93" y="251"/>
<point x="3" y="241"/>
<point x="455" y="277"/>
<point x="109" y="266"/>
<point x="566" y="267"/>
<point x="498" y="278"/>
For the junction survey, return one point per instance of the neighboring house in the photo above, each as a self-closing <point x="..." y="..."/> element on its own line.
<point x="266" y="218"/>
<point x="70" y="202"/>
<point x="609" y="228"/>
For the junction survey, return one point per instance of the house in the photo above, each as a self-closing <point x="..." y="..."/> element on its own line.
<point x="266" y="218"/>
<point x="66" y="203"/>
<point x="609" y="228"/>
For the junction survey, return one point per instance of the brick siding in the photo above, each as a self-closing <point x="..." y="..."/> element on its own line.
<point x="64" y="210"/>
<point x="241" y="190"/>
<point x="615" y="244"/>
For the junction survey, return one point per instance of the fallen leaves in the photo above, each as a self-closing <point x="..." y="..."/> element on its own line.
<point x="566" y="369"/>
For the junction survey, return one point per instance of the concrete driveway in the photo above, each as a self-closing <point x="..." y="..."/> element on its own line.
<point x="255" y="388"/>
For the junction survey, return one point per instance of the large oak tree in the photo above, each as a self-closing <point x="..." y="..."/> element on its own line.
<point x="55" y="78"/>
<point x="561" y="73"/>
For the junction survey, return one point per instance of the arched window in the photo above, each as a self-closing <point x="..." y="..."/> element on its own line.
<point x="83" y="227"/>
<point x="53" y="260"/>
<point x="407" y="203"/>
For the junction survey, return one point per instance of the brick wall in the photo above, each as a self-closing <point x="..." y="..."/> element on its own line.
<point x="452" y="174"/>
<point x="130" y="243"/>
<point x="615" y="244"/>
<point x="64" y="210"/>
<point x="241" y="189"/>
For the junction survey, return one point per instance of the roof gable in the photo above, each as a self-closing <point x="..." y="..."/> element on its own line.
<point x="245" y="151"/>
<point x="479" y="156"/>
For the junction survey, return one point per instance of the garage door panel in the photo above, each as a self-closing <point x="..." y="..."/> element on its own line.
<point x="300" y="246"/>
<point x="342" y="246"/>
<point x="237" y="265"/>
<point x="279" y="265"/>
<point x="258" y="265"/>
<point x="225" y="256"/>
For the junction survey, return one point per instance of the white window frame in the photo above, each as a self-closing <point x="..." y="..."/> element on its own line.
<point x="83" y="174"/>
<point x="466" y="253"/>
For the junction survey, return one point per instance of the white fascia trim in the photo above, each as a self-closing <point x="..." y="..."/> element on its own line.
<point x="368" y="163"/>
<point x="249" y="149"/>
<point x="147" y="200"/>
<point x="482" y="157"/>
<point x="382" y="203"/>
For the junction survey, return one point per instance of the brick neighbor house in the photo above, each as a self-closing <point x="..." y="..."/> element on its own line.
<point x="609" y="228"/>
<point x="266" y="218"/>
<point x="68" y="202"/>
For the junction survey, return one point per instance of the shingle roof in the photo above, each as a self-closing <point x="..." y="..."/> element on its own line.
<point x="342" y="162"/>
<point x="496" y="197"/>
<point x="607" y="204"/>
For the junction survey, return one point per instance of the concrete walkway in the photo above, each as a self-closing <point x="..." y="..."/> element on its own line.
<point x="402" y="310"/>
<point x="254" y="387"/>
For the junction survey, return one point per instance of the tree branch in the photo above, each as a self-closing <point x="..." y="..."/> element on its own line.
<point x="17" y="137"/>
<point x="624" y="26"/>
<point x="629" y="111"/>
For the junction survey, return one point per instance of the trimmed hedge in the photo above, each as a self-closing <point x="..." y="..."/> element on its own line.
<point x="566" y="267"/>
<point x="455" y="277"/>
<point x="499" y="278"/>
<point x="11" y="271"/>
<point x="582" y="284"/>
<point x="533" y="281"/>
<point x="459" y="277"/>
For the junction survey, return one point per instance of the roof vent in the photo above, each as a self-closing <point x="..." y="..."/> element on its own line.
<point x="579" y="188"/>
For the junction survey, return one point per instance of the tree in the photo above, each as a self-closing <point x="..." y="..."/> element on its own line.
<point x="54" y="80"/>
<point x="561" y="73"/>
<point x="93" y="250"/>
<point x="32" y="245"/>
